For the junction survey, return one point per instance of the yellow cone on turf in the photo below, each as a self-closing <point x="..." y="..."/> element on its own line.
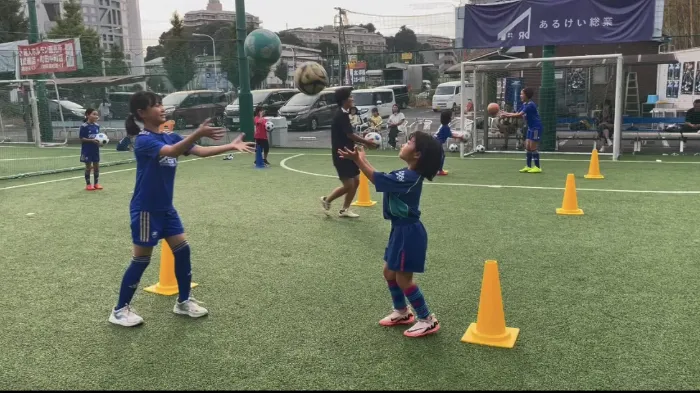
<point x="363" y="197"/>
<point x="167" y="283"/>
<point x="569" y="206"/>
<point x="594" y="167"/>
<point x="490" y="327"/>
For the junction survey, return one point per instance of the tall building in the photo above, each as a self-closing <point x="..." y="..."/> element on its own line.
<point x="215" y="13"/>
<point x="436" y="41"/>
<point x="357" y="39"/>
<point x="118" y="22"/>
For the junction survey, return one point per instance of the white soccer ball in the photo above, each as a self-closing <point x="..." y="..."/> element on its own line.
<point x="311" y="78"/>
<point x="269" y="126"/>
<point x="480" y="149"/>
<point x="374" y="137"/>
<point x="102" y="138"/>
<point x="453" y="147"/>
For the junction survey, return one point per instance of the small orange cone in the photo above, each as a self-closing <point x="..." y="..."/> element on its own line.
<point x="167" y="283"/>
<point x="363" y="197"/>
<point x="569" y="206"/>
<point x="594" y="167"/>
<point x="490" y="327"/>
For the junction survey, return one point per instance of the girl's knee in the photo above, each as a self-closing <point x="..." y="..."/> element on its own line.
<point x="405" y="280"/>
<point x="388" y="274"/>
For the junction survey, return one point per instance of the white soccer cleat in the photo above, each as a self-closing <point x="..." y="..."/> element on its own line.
<point x="423" y="327"/>
<point x="326" y="205"/>
<point x="347" y="214"/>
<point x="190" y="307"/>
<point x="125" y="317"/>
<point x="396" y="317"/>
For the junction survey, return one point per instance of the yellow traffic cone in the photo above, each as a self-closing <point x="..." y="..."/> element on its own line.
<point x="569" y="206"/>
<point x="167" y="283"/>
<point x="490" y="327"/>
<point x="363" y="197"/>
<point x="594" y="167"/>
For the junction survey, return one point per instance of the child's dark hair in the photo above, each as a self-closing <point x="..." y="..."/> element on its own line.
<point x="141" y="100"/>
<point x="88" y="112"/>
<point x="257" y="110"/>
<point x="529" y="92"/>
<point x="354" y="108"/>
<point x="430" y="158"/>
<point x="446" y="117"/>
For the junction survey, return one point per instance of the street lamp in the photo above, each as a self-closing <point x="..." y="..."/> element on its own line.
<point x="216" y="76"/>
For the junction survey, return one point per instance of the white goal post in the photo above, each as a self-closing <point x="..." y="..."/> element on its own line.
<point x="474" y="72"/>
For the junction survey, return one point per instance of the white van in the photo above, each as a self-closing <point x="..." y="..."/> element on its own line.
<point x="366" y="99"/>
<point x="449" y="95"/>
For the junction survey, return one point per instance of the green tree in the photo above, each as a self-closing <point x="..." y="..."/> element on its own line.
<point x="328" y="48"/>
<point x="71" y="25"/>
<point x="229" y="63"/>
<point x="179" y="61"/>
<point x="282" y="72"/>
<point x="290" y="39"/>
<point x="405" y="40"/>
<point x="14" y="25"/>
<point x="258" y="73"/>
<point x="116" y="65"/>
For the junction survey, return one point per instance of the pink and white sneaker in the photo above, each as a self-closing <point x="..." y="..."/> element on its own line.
<point x="423" y="327"/>
<point x="397" y="317"/>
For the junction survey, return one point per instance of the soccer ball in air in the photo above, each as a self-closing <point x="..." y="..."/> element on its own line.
<point x="493" y="109"/>
<point x="480" y="149"/>
<point x="269" y="126"/>
<point x="453" y="147"/>
<point x="102" y="138"/>
<point x="311" y="78"/>
<point x="263" y="46"/>
<point x="374" y="137"/>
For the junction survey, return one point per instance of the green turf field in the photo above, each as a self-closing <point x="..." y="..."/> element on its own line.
<point x="604" y="301"/>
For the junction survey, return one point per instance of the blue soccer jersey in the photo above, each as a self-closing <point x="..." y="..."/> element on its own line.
<point x="155" y="174"/>
<point x="443" y="134"/>
<point x="402" y="190"/>
<point x="89" y="151"/>
<point x="532" y="116"/>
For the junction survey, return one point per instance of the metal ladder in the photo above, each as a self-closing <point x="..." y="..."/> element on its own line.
<point x="632" y="95"/>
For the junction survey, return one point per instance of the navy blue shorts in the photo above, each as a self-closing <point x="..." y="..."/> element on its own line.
<point x="407" y="248"/>
<point x="90" y="156"/>
<point x="147" y="228"/>
<point x="534" y="134"/>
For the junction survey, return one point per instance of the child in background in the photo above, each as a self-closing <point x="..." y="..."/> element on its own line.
<point x="90" y="148"/>
<point x="534" y="129"/>
<point x="444" y="133"/>
<point x="126" y="144"/>
<point x="261" y="133"/>
<point x="375" y="122"/>
<point x="408" y="240"/>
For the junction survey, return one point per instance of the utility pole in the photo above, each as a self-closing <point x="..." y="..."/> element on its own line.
<point x="342" y="49"/>
<point x="45" y="126"/>
<point x="245" y="99"/>
<point x="692" y="23"/>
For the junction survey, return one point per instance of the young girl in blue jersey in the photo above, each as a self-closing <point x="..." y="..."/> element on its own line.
<point x="408" y="240"/>
<point x="90" y="148"/>
<point x="534" y="129"/>
<point x="153" y="216"/>
<point x="442" y="135"/>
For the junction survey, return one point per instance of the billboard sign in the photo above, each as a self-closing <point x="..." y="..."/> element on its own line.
<point x="558" y="22"/>
<point x="48" y="57"/>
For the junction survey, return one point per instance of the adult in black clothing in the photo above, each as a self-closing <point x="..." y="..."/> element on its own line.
<point x="342" y="136"/>
<point x="692" y="118"/>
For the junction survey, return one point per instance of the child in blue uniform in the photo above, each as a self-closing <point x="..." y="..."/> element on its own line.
<point x="534" y="129"/>
<point x="90" y="148"/>
<point x="153" y="216"/>
<point x="442" y="135"/>
<point x="408" y="241"/>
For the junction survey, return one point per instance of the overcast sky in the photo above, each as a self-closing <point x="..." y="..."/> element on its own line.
<point x="427" y="16"/>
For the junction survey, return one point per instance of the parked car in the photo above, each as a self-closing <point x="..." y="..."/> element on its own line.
<point x="400" y="94"/>
<point x="193" y="107"/>
<point x="305" y="112"/>
<point x="367" y="99"/>
<point x="270" y="99"/>
<point x="71" y="111"/>
<point x="119" y="104"/>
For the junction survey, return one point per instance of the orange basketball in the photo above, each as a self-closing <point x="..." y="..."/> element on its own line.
<point x="493" y="109"/>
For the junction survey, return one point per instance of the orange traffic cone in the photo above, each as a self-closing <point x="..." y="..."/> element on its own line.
<point x="569" y="206"/>
<point x="594" y="167"/>
<point x="490" y="327"/>
<point x="363" y="197"/>
<point x="167" y="283"/>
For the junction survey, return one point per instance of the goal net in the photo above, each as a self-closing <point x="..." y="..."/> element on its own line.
<point x="580" y="102"/>
<point x="39" y="131"/>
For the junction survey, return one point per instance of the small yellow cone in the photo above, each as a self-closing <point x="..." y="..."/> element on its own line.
<point x="167" y="283"/>
<point x="594" y="167"/>
<point x="363" y="197"/>
<point x="569" y="206"/>
<point x="490" y="327"/>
